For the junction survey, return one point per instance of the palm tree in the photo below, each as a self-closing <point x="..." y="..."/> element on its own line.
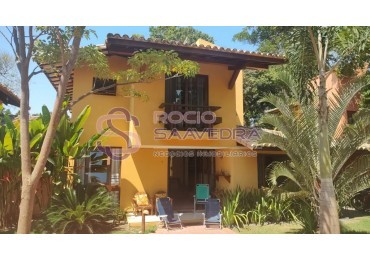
<point x="297" y="133"/>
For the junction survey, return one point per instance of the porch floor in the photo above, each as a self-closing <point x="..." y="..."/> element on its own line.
<point x="186" y="218"/>
<point x="199" y="229"/>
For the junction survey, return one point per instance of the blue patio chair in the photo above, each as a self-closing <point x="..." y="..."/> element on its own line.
<point x="165" y="213"/>
<point x="201" y="194"/>
<point x="212" y="215"/>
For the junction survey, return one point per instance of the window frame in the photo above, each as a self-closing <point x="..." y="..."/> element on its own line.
<point x="108" y="92"/>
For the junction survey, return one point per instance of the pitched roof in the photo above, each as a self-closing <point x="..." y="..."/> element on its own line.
<point x="126" y="46"/>
<point x="8" y="97"/>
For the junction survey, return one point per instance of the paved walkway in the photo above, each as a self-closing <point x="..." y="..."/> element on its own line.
<point x="199" y="229"/>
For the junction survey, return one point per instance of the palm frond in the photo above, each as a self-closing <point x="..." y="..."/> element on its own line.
<point x="353" y="136"/>
<point x="339" y="102"/>
<point x="354" y="178"/>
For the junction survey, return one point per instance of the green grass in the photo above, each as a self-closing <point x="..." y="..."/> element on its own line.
<point x="358" y="225"/>
<point x="352" y="224"/>
<point x="125" y="229"/>
<point x="284" y="228"/>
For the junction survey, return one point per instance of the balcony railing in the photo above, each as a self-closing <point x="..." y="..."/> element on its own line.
<point x="193" y="116"/>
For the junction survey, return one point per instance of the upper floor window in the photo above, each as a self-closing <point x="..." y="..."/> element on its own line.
<point x="184" y="95"/>
<point x="99" y="83"/>
<point x="192" y="92"/>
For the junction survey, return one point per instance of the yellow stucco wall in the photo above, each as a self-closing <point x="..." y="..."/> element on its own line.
<point x="142" y="171"/>
<point x="242" y="169"/>
<point x="219" y="95"/>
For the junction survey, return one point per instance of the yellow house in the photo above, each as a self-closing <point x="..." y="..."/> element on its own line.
<point x="148" y="154"/>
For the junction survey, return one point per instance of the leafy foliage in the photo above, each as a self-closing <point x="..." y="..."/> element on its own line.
<point x="149" y="65"/>
<point x="297" y="135"/>
<point x="258" y="206"/>
<point x="177" y="33"/>
<point x="232" y="214"/>
<point x="306" y="217"/>
<point x="348" y="50"/>
<point x="256" y="85"/>
<point x="67" y="146"/>
<point x="8" y="72"/>
<point x="58" y="173"/>
<point x="47" y="48"/>
<point x="273" y="209"/>
<point x="68" y="215"/>
<point x="9" y="172"/>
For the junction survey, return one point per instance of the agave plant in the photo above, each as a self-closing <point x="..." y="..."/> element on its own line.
<point x="296" y="132"/>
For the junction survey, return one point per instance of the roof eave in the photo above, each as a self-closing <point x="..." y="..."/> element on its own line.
<point x="126" y="46"/>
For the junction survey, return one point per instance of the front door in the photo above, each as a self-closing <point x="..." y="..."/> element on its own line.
<point x="186" y="169"/>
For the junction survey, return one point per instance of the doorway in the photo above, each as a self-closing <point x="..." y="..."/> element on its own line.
<point x="186" y="168"/>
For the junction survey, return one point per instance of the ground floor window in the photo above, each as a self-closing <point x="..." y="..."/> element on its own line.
<point x="98" y="167"/>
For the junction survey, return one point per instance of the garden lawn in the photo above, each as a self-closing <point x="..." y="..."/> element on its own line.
<point x="283" y="228"/>
<point x="355" y="225"/>
<point x="125" y="229"/>
<point x="358" y="225"/>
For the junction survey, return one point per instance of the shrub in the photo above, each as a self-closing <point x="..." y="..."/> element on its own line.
<point x="68" y="215"/>
<point x="244" y="206"/>
<point x="271" y="208"/>
<point x="306" y="217"/>
<point x="232" y="214"/>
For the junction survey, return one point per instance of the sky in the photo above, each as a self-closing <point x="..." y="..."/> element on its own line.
<point x="42" y="92"/>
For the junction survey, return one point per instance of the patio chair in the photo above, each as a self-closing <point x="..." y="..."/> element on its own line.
<point x="212" y="215"/>
<point x="201" y="194"/>
<point x="142" y="202"/>
<point x="165" y="213"/>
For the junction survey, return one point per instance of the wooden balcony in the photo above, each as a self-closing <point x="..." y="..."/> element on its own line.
<point x="182" y="108"/>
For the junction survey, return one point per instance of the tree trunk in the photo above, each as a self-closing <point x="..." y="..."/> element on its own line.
<point x="31" y="178"/>
<point x="328" y="216"/>
<point x="26" y="208"/>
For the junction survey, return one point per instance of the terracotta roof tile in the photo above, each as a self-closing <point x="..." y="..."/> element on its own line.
<point x="8" y="96"/>
<point x="201" y="46"/>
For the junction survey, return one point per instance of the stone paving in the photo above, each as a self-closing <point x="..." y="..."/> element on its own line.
<point x="198" y="229"/>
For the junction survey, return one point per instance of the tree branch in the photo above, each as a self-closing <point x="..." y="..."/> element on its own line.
<point x="55" y="116"/>
<point x="39" y="35"/>
<point x="61" y="47"/>
<point x="10" y="42"/>
<point x="83" y="96"/>
<point x="30" y="48"/>
<point x="74" y="102"/>
<point x="339" y="61"/>
<point x="34" y="72"/>
<point x="16" y="41"/>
